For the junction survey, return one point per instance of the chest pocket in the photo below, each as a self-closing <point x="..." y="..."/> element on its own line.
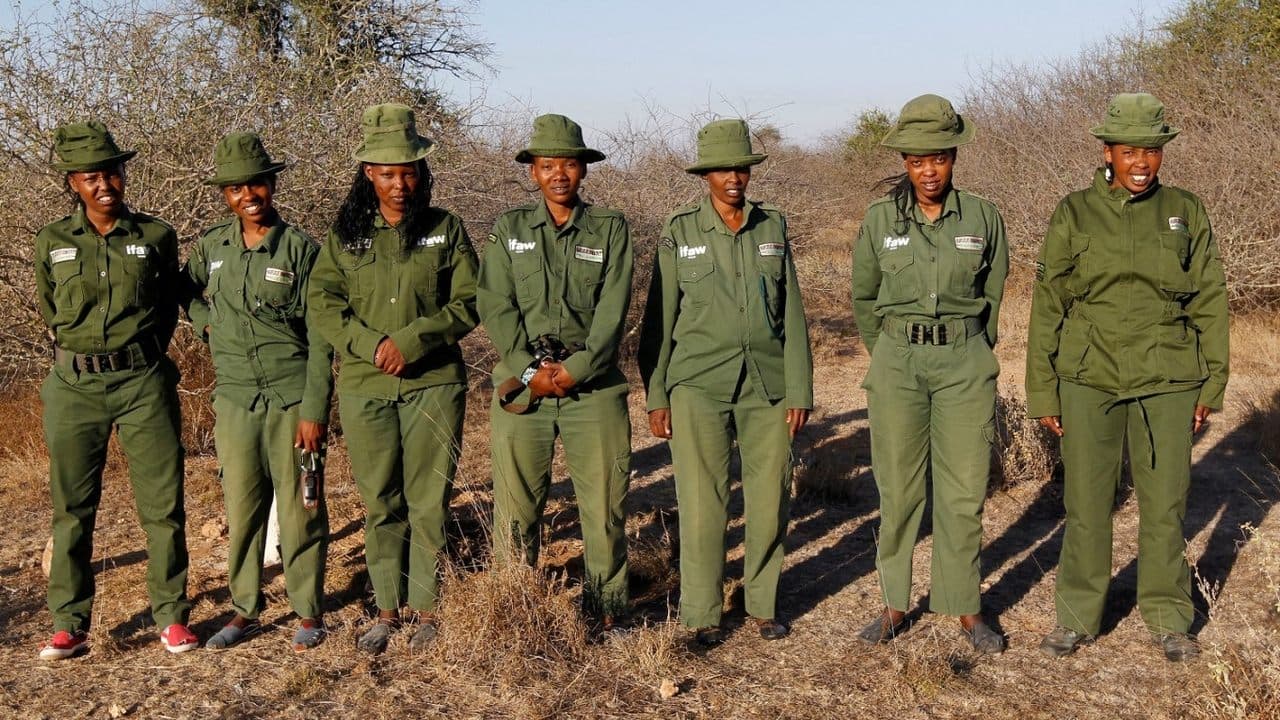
<point x="898" y="282"/>
<point x="142" y="276"/>
<point x="773" y="289"/>
<point x="360" y="272"/>
<point x="68" y="288"/>
<point x="530" y="276"/>
<point x="1077" y="283"/>
<point x="277" y="298"/>
<point x="424" y="277"/>
<point x="966" y="267"/>
<point x="1174" y="263"/>
<point x="585" y="279"/>
<point x="696" y="284"/>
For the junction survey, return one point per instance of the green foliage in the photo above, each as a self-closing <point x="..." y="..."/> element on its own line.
<point x="868" y="130"/>
<point x="1229" y="32"/>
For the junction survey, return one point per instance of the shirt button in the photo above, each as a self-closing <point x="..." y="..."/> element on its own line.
<point x="742" y="308"/>
<point x="102" y="274"/>
<point x="393" y="301"/>
<point x="102" y="309"/>
<point x="933" y="295"/>
<point x="737" y="274"/>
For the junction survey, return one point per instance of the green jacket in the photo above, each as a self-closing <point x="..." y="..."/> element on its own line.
<point x="424" y="302"/>
<point x="922" y="271"/>
<point x="573" y="282"/>
<point x="1130" y="298"/>
<point x="254" y="304"/>
<point x="719" y="301"/>
<point x="99" y="294"/>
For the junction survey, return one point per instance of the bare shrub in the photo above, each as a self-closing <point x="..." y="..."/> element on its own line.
<point x="1023" y="451"/>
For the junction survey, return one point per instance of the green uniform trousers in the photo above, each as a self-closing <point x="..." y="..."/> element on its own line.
<point x="79" y="411"/>
<point x="404" y="454"/>
<point x="596" y="433"/>
<point x="702" y="434"/>
<point x="932" y="411"/>
<point x="1159" y="433"/>
<point x="258" y="459"/>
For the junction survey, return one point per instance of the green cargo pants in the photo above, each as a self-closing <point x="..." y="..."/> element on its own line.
<point x="404" y="454"/>
<point x="79" y="410"/>
<point x="596" y="433"/>
<point x="1159" y="434"/>
<point x="702" y="434"/>
<point x="258" y="459"/>
<point x="932" y="411"/>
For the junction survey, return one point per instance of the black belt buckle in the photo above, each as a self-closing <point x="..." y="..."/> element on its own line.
<point x="921" y="334"/>
<point x="95" y="364"/>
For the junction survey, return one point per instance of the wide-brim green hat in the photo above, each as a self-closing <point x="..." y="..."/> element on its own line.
<point x="557" y="136"/>
<point x="87" y="146"/>
<point x="240" y="157"/>
<point x="391" y="136"/>
<point x="926" y="125"/>
<point x="724" y="145"/>
<point x="1135" y="119"/>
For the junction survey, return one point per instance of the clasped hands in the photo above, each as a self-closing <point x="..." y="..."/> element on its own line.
<point x="551" y="379"/>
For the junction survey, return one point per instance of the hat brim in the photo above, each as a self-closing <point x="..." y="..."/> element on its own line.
<point x="586" y="155"/>
<point x="1144" y="140"/>
<point x="926" y="145"/>
<point x="220" y="180"/>
<point x="394" y="156"/>
<point x="732" y="163"/>
<point x="99" y="164"/>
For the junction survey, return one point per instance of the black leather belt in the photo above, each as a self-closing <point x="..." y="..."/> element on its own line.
<point x="133" y="355"/>
<point x="922" y="334"/>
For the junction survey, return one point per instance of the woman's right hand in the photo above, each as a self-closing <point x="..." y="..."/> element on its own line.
<point x="1054" y="423"/>
<point x="660" y="423"/>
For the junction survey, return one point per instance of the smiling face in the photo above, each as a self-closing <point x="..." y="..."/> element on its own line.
<point x="394" y="186"/>
<point x="729" y="186"/>
<point x="101" y="191"/>
<point x="930" y="175"/>
<point x="559" y="178"/>
<point x="251" y="200"/>
<point x="1134" y="168"/>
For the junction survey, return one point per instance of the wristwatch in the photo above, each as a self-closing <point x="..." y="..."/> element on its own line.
<point x="528" y="374"/>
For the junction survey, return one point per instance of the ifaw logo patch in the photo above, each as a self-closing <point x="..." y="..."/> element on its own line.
<point x="893" y="243"/>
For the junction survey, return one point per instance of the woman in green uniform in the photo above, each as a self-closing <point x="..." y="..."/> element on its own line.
<point x="107" y="283"/>
<point x="394" y="291"/>
<point x="246" y="293"/>
<point x="1128" y="338"/>
<point x="929" y="265"/>
<point x="724" y="354"/>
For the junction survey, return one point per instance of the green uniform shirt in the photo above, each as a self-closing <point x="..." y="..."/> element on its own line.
<point x="254" y="303"/>
<point x="921" y="271"/>
<point x="573" y="282"/>
<point x="1130" y="298"/>
<point x="424" y="302"/>
<point x="100" y="294"/>
<point x="719" y="301"/>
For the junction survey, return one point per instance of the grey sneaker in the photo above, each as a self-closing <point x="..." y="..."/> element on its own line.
<point x="230" y="635"/>
<point x="881" y="630"/>
<point x="984" y="639"/>
<point x="1063" y="641"/>
<point x="307" y="637"/>
<point x="1177" y="646"/>
<point x="422" y="635"/>
<point x="375" y="639"/>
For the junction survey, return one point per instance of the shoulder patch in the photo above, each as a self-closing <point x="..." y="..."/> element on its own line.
<point x="493" y="238"/>
<point x="667" y="242"/>
<point x="1039" y="271"/>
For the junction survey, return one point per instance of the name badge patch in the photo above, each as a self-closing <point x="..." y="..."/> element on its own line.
<point x="62" y="255"/>
<point x="276" y="275"/>
<point x="692" y="251"/>
<point x="214" y="265"/>
<point x="137" y="250"/>
<point x="595" y="255"/>
<point x="1177" y="224"/>
<point x="433" y="241"/>
<point x="970" y="242"/>
<point x="893" y="243"/>
<point x="772" y="249"/>
<point x="518" y="247"/>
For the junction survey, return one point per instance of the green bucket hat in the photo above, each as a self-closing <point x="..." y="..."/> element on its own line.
<point x="391" y="136"/>
<point x="239" y="157"/>
<point x="926" y="125"/>
<point x="557" y="136"/>
<point x="724" y="145"/>
<point x="1135" y="119"/>
<point x="87" y="146"/>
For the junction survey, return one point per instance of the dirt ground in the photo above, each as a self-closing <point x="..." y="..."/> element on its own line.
<point x="539" y="660"/>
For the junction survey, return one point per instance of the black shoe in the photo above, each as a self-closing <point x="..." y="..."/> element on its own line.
<point x="1177" y="647"/>
<point x="882" y="629"/>
<point x="1063" y="641"/>
<point x="708" y="637"/>
<point x="771" y="629"/>
<point x="984" y="639"/>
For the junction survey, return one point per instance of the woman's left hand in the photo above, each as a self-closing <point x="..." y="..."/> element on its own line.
<point x="388" y="359"/>
<point x="1201" y="418"/>
<point x="310" y="435"/>
<point x="796" y="418"/>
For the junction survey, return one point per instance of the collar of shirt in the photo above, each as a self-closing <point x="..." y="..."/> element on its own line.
<point x="709" y="219"/>
<point x="1120" y="194"/>
<point x="542" y="216"/>
<point x="950" y="206"/>
<point x="125" y="224"/>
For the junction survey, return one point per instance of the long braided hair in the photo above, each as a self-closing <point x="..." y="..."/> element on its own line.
<point x="354" y="224"/>
<point x="899" y="188"/>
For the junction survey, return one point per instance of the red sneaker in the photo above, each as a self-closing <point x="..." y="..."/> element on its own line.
<point x="178" y="638"/>
<point x="65" y="644"/>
